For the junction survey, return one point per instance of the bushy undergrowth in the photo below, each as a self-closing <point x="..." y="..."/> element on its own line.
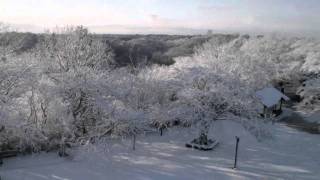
<point x="69" y="91"/>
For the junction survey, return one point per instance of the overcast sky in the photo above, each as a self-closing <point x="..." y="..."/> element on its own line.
<point x="164" y="16"/>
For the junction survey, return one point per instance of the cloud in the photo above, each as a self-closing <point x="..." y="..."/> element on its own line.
<point x="51" y="13"/>
<point x="271" y="15"/>
<point x="158" y="21"/>
<point x="124" y="29"/>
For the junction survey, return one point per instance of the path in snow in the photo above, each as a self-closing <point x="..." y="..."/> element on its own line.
<point x="290" y="155"/>
<point x="295" y="120"/>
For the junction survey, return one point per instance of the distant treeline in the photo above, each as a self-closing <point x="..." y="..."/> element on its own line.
<point x="128" y="49"/>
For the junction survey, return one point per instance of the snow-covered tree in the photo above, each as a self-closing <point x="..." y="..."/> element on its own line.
<point x="67" y="89"/>
<point x="73" y="48"/>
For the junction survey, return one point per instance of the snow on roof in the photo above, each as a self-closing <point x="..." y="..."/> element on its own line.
<point x="270" y="96"/>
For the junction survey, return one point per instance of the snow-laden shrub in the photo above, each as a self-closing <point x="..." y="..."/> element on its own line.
<point x="310" y="93"/>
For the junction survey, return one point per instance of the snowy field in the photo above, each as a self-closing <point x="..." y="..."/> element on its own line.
<point x="289" y="155"/>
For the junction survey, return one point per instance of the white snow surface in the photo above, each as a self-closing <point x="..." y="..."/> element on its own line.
<point x="270" y="96"/>
<point x="314" y="117"/>
<point x="290" y="154"/>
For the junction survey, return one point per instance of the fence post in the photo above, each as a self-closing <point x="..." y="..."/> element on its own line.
<point x="236" y="153"/>
<point x="134" y="142"/>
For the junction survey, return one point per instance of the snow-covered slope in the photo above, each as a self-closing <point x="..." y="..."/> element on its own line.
<point x="289" y="155"/>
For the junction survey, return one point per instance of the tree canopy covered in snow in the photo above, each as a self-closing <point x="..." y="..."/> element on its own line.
<point x="68" y="88"/>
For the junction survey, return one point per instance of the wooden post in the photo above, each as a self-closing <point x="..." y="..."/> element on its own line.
<point x="134" y="142"/>
<point x="161" y="131"/>
<point x="264" y="111"/>
<point x="281" y="100"/>
<point x="236" y="153"/>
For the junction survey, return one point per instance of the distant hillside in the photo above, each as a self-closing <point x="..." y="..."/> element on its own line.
<point x="128" y="49"/>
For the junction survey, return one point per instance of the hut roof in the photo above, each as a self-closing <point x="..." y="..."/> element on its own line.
<point x="270" y="96"/>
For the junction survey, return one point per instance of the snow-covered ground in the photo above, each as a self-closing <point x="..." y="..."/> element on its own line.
<point x="289" y="155"/>
<point x="315" y="117"/>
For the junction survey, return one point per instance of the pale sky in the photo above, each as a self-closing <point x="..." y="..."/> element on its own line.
<point x="164" y="16"/>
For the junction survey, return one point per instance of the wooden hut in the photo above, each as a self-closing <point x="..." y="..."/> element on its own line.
<point x="272" y="100"/>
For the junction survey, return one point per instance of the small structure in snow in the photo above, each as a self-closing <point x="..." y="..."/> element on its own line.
<point x="203" y="143"/>
<point x="272" y="100"/>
